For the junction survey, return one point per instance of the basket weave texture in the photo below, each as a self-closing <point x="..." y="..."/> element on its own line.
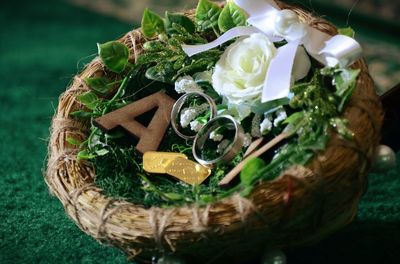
<point x="301" y="206"/>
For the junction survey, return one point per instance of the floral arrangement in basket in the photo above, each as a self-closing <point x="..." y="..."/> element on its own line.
<point x="265" y="78"/>
<point x="212" y="103"/>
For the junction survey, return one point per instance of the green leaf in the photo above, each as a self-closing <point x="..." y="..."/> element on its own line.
<point x="81" y="114"/>
<point x="152" y="24"/>
<point x="294" y="118"/>
<point x="181" y="20"/>
<point x="98" y="84"/>
<point x="85" y="155"/>
<point x="301" y="158"/>
<point x="153" y="74"/>
<point x="250" y="169"/>
<point x="115" y="134"/>
<point x="345" y="82"/>
<point x="295" y="122"/>
<point x="231" y="16"/>
<point x="73" y="141"/>
<point x="88" y="99"/>
<point x="173" y="196"/>
<point x="348" y="31"/>
<point x="102" y="152"/>
<point x="114" y="55"/>
<point x="153" y="46"/>
<point x="261" y="108"/>
<point x="207" y="14"/>
<point x="314" y="140"/>
<point x="206" y="198"/>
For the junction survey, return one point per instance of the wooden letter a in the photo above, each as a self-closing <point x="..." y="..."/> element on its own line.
<point x="149" y="137"/>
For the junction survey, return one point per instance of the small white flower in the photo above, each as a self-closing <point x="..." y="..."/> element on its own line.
<point x="280" y="116"/>
<point x="202" y="108"/>
<point x="190" y="113"/>
<point x="187" y="84"/>
<point x="247" y="140"/>
<point x="265" y="126"/>
<point x="187" y="115"/>
<point x="222" y="146"/>
<point x="215" y="136"/>
<point x="196" y="126"/>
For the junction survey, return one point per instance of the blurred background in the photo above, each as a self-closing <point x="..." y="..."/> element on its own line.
<point x="44" y="43"/>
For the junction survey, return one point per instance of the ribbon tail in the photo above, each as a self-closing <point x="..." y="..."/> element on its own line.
<point x="192" y="50"/>
<point x="332" y="51"/>
<point x="342" y="50"/>
<point x="279" y="75"/>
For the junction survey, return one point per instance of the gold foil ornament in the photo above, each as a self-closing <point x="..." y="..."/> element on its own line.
<point x="156" y="162"/>
<point x="188" y="171"/>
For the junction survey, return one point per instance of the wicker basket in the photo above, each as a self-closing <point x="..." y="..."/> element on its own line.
<point x="301" y="206"/>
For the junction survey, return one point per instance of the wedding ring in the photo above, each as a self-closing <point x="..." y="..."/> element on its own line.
<point x="178" y="107"/>
<point x="203" y="136"/>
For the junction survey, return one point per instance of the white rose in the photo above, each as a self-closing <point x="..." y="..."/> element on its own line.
<point x="240" y="73"/>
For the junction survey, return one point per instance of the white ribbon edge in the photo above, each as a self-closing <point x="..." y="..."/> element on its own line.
<point x="192" y="50"/>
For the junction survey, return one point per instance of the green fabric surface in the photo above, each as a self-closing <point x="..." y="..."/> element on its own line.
<point x="40" y="45"/>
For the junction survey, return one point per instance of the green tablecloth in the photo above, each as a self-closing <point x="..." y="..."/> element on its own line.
<point x="40" y="45"/>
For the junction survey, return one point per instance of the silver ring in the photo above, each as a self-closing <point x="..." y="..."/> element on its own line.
<point x="177" y="109"/>
<point x="230" y="151"/>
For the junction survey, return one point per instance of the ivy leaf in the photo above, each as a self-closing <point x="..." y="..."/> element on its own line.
<point x="205" y="198"/>
<point x="250" y="169"/>
<point x="314" y="140"/>
<point x="152" y="24"/>
<point x="114" y="55"/>
<point x="345" y="81"/>
<point x="348" y="31"/>
<point x="207" y="14"/>
<point x="294" y="118"/>
<point x="231" y="16"/>
<point x="102" y="152"/>
<point x="85" y="155"/>
<point x="294" y="122"/>
<point x="153" y="74"/>
<point x="98" y="84"/>
<point x="173" y="196"/>
<point x="81" y="114"/>
<point x="184" y="21"/>
<point x="261" y="108"/>
<point x="73" y="141"/>
<point x="88" y="99"/>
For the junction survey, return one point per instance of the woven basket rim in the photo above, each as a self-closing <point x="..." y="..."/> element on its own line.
<point x="147" y="231"/>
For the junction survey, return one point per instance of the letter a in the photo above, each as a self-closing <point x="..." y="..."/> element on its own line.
<point x="149" y="137"/>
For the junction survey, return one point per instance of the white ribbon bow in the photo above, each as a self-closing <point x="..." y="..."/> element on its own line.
<point x="266" y="17"/>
